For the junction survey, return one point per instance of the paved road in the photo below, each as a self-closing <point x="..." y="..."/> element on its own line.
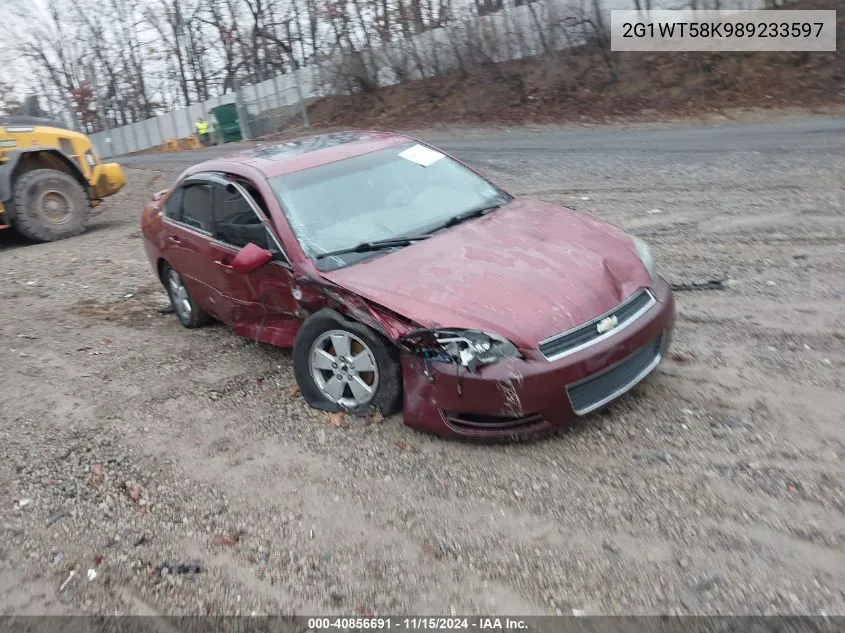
<point x="670" y="143"/>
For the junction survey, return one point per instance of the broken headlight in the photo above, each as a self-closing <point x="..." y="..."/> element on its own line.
<point x="467" y="348"/>
<point x="646" y="257"/>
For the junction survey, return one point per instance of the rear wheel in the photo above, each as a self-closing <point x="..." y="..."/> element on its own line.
<point x="188" y="311"/>
<point x="49" y="205"/>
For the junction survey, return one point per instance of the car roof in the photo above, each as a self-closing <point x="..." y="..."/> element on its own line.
<point x="285" y="157"/>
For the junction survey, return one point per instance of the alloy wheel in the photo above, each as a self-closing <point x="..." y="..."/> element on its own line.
<point x="344" y="368"/>
<point x="179" y="295"/>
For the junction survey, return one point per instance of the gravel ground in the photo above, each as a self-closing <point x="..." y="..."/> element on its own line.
<point x="128" y="442"/>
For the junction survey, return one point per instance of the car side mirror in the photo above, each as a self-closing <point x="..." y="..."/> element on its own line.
<point x="250" y="258"/>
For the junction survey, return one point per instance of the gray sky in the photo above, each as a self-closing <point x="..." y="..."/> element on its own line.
<point x="12" y="70"/>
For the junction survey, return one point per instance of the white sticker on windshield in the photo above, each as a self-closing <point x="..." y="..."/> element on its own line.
<point x="421" y="155"/>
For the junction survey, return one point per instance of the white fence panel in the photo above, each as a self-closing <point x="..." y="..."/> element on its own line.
<point x="98" y="140"/>
<point x="151" y="133"/>
<point x="147" y="134"/>
<point x="183" y="126"/>
<point x="137" y="131"/>
<point x="167" y="125"/>
<point x="249" y="94"/>
<point x="118" y="145"/>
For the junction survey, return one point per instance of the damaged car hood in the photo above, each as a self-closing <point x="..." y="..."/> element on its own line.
<point x="527" y="271"/>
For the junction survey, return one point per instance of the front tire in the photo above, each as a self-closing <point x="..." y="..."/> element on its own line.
<point x="341" y="365"/>
<point x="187" y="310"/>
<point x="49" y="205"/>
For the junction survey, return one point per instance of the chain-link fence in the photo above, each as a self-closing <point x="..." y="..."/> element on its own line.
<point x="262" y="109"/>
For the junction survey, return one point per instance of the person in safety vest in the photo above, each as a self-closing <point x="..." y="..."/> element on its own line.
<point x="202" y="130"/>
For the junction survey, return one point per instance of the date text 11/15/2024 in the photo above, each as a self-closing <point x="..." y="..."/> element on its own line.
<point x="416" y="624"/>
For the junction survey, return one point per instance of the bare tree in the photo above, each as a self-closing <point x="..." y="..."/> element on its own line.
<point x="170" y="19"/>
<point x="10" y="104"/>
<point x="52" y="54"/>
<point x="134" y="58"/>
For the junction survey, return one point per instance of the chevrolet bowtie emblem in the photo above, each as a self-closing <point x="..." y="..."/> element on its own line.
<point x="607" y="324"/>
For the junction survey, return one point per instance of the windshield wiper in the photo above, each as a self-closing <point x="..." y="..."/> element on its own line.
<point x="377" y="245"/>
<point x="393" y="242"/>
<point x="466" y="215"/>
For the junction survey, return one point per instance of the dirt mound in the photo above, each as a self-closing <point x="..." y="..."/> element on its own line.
<point x="585" y="85"/>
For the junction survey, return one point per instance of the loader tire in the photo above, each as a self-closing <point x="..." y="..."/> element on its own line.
<point x="49" y="205"/>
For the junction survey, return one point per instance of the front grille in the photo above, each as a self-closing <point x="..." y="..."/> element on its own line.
<point x="471" y="423"/>
<point x="595" y="391"/>
<point x="580" y="337"/>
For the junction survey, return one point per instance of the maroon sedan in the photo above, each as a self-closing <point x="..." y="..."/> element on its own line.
<point x="403" y="278"/>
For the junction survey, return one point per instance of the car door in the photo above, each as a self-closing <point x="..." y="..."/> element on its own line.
<point x="260" y="304"/>
<point x="188" y="221"/>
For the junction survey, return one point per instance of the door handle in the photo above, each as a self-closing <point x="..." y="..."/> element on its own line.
<point x="224" y="263"/>
<point x="174" y="239"/>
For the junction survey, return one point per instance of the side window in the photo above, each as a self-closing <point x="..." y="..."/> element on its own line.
<point x="256" y="196"/>
<point x="235" y="221"/>
<point x="197" y="207"/>
<point x="173" y="207"/>
<point x="67" y="147"/>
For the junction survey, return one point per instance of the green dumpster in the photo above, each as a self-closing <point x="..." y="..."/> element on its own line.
<point x="225" y="122"/>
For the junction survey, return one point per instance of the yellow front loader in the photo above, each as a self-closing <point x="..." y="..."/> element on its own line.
<point x="50" y="178"/>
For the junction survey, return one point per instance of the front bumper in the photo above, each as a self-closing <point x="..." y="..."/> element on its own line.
<point x="516" y="398"/>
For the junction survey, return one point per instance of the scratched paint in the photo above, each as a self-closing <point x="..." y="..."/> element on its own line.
<point x="510" y="399"/>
